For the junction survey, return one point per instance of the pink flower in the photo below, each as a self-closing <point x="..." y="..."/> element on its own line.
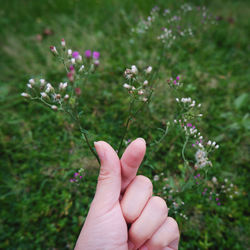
<point x="75" y="54"/>
<point x="71" y="68"/>
<point x="177" y="78"/>
<point x="96" y="55"/>
<point x="71" y="76"/>
<point x="174" y="82"/>
<point x="189" y="125"/>
<point x="88" y="53"/>
<point x="78" y="91"/>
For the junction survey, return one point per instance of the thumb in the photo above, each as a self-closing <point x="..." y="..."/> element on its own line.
<point x="109" y="181"/>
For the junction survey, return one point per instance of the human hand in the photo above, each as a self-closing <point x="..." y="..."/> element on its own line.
<point x="124" y="214"/>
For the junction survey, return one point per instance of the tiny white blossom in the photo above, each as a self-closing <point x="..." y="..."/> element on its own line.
<point x="217" y="146"/>
<point x="66" y="97"/>
<point x="29" y="86"/>
<point x="42" y="81"/>
<point x="126" y="86"/>
<point x="73" y="60"/>
<point x="25" y="95"/>
<point x="43" y="94"/>
<point x="149" y="69"/>
<point x="63" y="43"/>
<point x="209" y="143"/>
<point x="69" y="52"/>
<point x="79" y="58"/>
<point x="31" y="81"/>
<point x="134" y="69"/>
<point x="81" y="68"/>
<point x="213" y="144"/>
<point x="177" y="99"/>
<point x="214" y="179"/>
<point x="140" y="92"/>
<point x="145" y="83"/>
<point x="175" y="121"/>
<point x="54" y="107"/>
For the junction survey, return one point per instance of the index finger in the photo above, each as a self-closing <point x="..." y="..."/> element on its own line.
<point x="131" y="161"/>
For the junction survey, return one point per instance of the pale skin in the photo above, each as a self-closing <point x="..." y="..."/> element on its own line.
<point x="124" y="215"/>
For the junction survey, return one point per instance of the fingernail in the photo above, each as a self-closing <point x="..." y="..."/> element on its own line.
<point x="141" y="139"/>
<point x="130" y="245"/>
<point x="99" y="149"/>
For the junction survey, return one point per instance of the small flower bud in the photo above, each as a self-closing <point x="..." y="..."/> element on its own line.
<point x="81" y="68"/>
<point x="29" y="86"/>
<point x="25" y="95"/>
<point x="144" y="99"/>
<point x="214" y="143"/>
<point x="217" y="146"/>
<point x="145" y="83"/>
<point x="88" y="53"/>
<point x="134" y="69"/>
<point x="96" y="55"/>
<point x="43" y="94"/>
<point x="140" y="92"/>
<point x="32" y="81"/>
<point x="42" y="81"/>
<point x="66" y="97"/>
<point x="73" y="60"/>
<point x="53" y="50"/>
<point x="69" y="52"/>
<point x="54" y="107"/>
<point x="209" y="143"/>
<point x="177" y="99"/>
<point x="126" y="86"/>
<point x="79" y="58"/>
<point x="63" y="43"/>
<point x="148" y="70"/>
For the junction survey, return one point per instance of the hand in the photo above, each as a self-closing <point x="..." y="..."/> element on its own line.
<point x="124" y="214"/>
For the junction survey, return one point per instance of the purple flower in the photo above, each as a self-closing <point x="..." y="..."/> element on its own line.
<point x="189" y="125"/>
<point x="96" y="55"/>
<point x="198" y="175"/>
<point x="193" y="145"/>
<point x="217" y="199"/>
<point x="75" y="54"/>
<point x="80" y="177"/>
<point x="174" y="82"/>
<point x="218" y="204"/>
<point x="177" y="78"/>
<point x="203" y="193"/>
<point x="71" y="68"/>
<point x="76" y="174"/>
<point x="88" y="53"/>
<point x="193" y="126"/>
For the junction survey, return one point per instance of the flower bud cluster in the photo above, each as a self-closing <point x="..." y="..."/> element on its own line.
<point x="138" y="86"/>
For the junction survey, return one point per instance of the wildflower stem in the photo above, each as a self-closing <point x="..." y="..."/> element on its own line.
<point x="183" y="151"/>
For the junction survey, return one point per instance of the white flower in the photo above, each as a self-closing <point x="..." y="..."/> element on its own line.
<point x="81" y="68"/>
<point x="63" y="86"/>
<point x="156" y="178"/>
<point x="54" y="107"/>
<point x="43" y="94"/>
<point x="66" y="97"/>
<point x="175" y="121"/>
<point x="29" y="86"/>
<point x="200" y="115"/>
<point x="126" y="86"/>
<point x="140" y="92"/>
<point x="42" y="81"/>
<point x="63" y="43"/>
<point x="145" y="83"/>
<point x="214" y="179"/>
<point x="177" y="99"/>
<point x="69" y="52"/>
<point x="79" y="58"/>
<point x="148" y="70"/>
<point x="49" y="88"/>
<point x="31" y="81"/>
<point x="134" y="69"/>
<point x="144" y="99"/>
<point x="209" y="143"/>
<point x="25" y="95"/>
<point x="217" y="146"/>
<point x="213" y="144"/>
<point x="226" y="180"/>
<point x="73" y="60"/>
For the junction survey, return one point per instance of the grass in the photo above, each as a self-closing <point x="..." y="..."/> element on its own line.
<point x="40" y="151"/>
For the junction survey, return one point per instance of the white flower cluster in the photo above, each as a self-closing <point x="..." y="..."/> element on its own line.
<point x="144" y="25"/>
<point x="201" y="159"/>
<point x="213" y="144"/>
<point x="48" y="94"/>
<point x="167" y="37"/>
<point x="137" y="83"/>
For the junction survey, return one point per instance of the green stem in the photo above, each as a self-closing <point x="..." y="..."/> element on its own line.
<point x="183" y="151"/>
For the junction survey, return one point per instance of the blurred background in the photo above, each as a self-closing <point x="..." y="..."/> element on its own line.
<point x="40" y="149"/>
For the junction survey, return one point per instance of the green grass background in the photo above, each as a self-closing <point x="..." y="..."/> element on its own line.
<point x="40" y="151"/>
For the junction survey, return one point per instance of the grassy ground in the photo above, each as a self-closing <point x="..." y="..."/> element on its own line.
<point x="40" y="151"/>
